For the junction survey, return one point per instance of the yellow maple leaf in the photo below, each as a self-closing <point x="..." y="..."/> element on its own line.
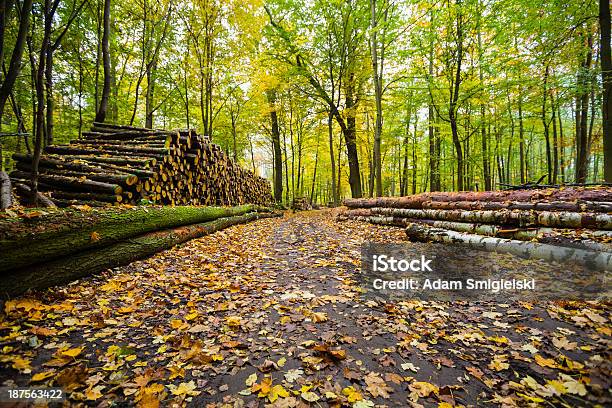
<point x="187" y="388"/>
<point x="73" y="352"/>
<point x="318" y="317"/>
<point x="499" y="363"/>
<point x="233" y="321"/>
<point x="94" y="393"/>
<point x="94" y="236"/>
<point x="545" y="362"/>
<point x="276" y="392"/>
<point x="42" y="376"/>
<point x="352" y="394"/>
<point x="177" y="323"/>
<point x="423" y="388"/>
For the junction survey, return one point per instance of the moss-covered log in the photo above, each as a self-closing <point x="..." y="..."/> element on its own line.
<point x="120" y="253"/>
<point x="593" y="259"/>
<point x="104" y="228"/>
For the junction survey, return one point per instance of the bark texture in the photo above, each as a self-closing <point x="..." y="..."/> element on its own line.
<point x="122" y="252"/>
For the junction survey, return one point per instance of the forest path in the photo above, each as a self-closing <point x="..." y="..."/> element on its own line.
<point x="271" y="312"/>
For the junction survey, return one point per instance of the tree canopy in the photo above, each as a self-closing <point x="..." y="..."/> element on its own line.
<point x="328" y="98"/>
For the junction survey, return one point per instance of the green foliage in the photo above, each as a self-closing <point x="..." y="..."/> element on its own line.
<point x="217" y="59"/>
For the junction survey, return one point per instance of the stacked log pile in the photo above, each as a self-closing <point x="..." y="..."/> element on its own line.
<point x="124" y="164"/>
<point x="553" y="224"/>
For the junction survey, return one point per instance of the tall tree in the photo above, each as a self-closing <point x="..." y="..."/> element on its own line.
<point x="106" y="60"/>
<point x="605" y="56"/>
<point x="278" y="158"/>
<point x="15" y="64"/>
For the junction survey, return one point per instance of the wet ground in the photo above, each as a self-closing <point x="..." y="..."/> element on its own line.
<point x="274" y="313"/>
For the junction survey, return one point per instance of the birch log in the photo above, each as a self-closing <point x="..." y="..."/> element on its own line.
<point x="593" y="259"/>
<point x="562" y="219"/>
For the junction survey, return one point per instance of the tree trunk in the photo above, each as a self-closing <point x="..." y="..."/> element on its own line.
<point x="15" y="63"/>
<point x="452" y="111"/>
<point x="545" y="124"/>
<point x="278" y="160"/>
<point x="553" y="119"/>
<point x="101" y="113"/>
<point x="606" y="78"/>
<point x="582" y="158"/>
<point x="350" y="137"/>
<point x="377" y="79"/>
<point x="110" y="226"/>
<point x="330" y="130"/>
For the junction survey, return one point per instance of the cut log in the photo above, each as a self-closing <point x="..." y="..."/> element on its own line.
<point x="25" y="192"/>
<point x="122" y="179"/>
<point x="543" y="195"/>
<point x="173" y="167"/>
<point x="134" y="152"/>
<point x="595" y="240"/>
<point x="80" y="232"/>
<point x="500" y="217"/>
<point x="120" y="253"/>
<point x="593" y="259"/>
<point x="62" y="203"/>
<point x="64" y="195"/>
<point x="143" y="162"/>
<point x="571" y="206"/>
<point x="6" y="196"/>
<point x="73" y="183"/>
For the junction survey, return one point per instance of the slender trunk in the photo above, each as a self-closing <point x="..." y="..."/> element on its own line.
<point x="545" y="124"/>
<point x="606" y="78"/>
<point x="278" y="164"/>
<point x="561" y="145"/>
<point x="583" y="111"/>
<point x="49" y="97"/>
<point x="350" y="137"/>
<point x="454" y="99"/>
<point x="404" y="185"/>
<point x="15" y="64"/>
<point x="330" y="129"/>
<point x="521" y="137"/>
<point x="414" y="154"/>
<point x="101" y="114"/>
<point x="555" y="165"/>
<point x="48" y="12"/>
<point x="377" y="78"/>
<point x="150" y="94"/>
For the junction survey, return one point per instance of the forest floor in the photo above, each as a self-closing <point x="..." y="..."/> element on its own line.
<point x="272" y="313"/>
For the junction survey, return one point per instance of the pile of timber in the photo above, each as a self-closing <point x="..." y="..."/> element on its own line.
<point x="552" y="224"/>
<point x="63" y="245"/>
<point x="124" y="164"/>
<point x="301" y="204"/>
